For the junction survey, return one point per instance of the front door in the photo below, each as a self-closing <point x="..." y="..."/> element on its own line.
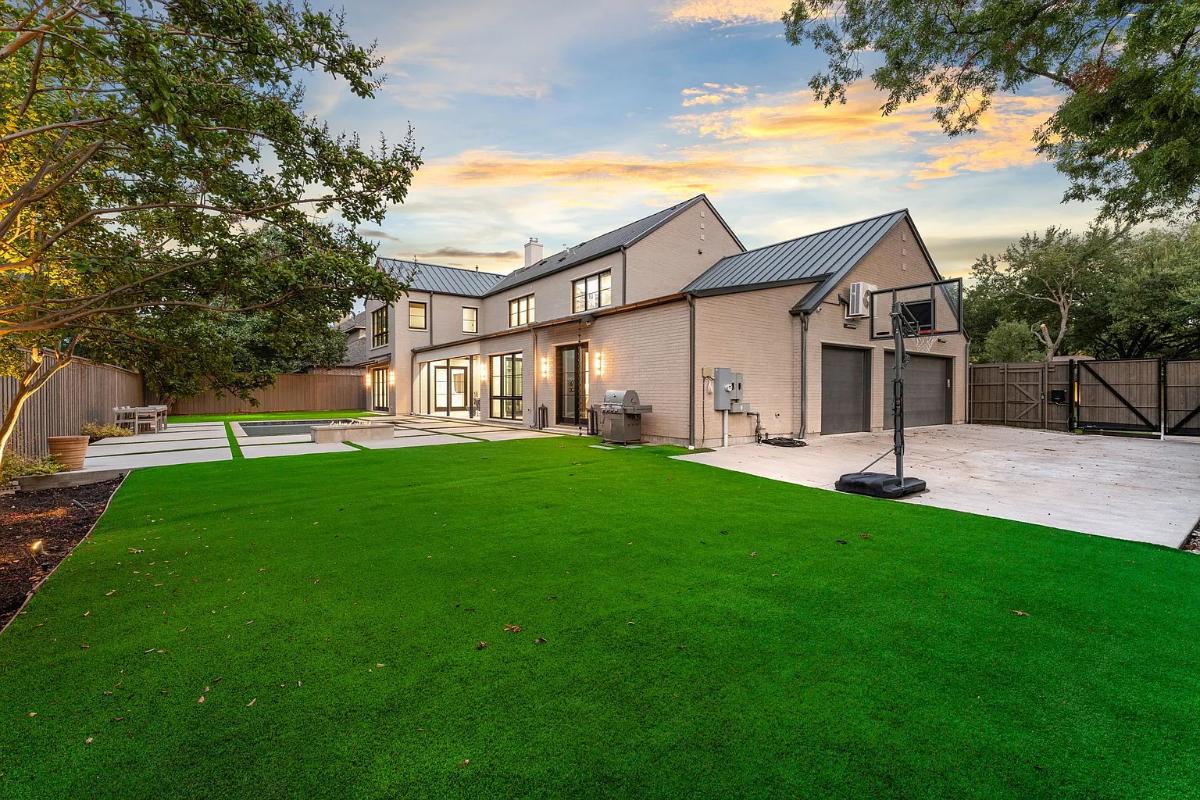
<point x="572" y="379"/>
<point x="449" y="388"/>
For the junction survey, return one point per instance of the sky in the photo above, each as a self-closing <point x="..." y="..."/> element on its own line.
<point x="564" y="120"/>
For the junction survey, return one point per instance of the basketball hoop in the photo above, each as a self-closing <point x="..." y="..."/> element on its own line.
<point x="913" y="317"/>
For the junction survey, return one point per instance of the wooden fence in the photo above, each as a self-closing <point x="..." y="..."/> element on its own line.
<point x="330" y="390"/>
<point x="1140" y="395"/>
<point x="83" y="391"/>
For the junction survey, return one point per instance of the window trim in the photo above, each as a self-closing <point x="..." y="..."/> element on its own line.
<point x="380" y="333"/>
<point x="514" y="310"/>
<point x="474" y="319"/>
<point x="599" y="292"/>
<point x="424" y="315"/>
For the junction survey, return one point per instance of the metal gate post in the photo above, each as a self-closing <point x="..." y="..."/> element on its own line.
<point x="1073" y="388"/>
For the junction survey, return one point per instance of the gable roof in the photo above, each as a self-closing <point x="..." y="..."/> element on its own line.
<point x="424" y="277"/>
<point x="818" y="257"/>
<point x="605" y="243"/>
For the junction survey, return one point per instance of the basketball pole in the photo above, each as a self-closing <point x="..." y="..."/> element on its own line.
<point x="898" y="389"/>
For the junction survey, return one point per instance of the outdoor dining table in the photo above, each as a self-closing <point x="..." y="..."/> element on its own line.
<point x="154" y="417"/>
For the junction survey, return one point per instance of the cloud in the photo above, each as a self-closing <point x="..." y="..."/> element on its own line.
<point x="711" y="94"/>
<point x="1004" y="140"/>
<point x="459" y="252"/>
<point x="687" y="171"/>
<point x="728" y="12"/>
<point x="372" y="233"/>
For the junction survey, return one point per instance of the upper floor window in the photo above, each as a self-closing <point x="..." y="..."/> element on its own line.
<point x="416" y="316"/>
<point x="379" y="327"/>
<point x="520" y="311"/>
<point x="470" y="320"/>
<point x="594" y="291"/>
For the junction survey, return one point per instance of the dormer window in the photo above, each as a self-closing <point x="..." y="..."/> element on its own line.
<point x="592" y="292"/>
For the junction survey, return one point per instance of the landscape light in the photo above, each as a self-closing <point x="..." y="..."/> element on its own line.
<point x="35" y="547"/>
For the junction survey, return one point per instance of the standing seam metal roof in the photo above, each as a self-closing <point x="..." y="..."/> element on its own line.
<point x="444" y="280"/>
<point x="806" y="259"/>
<point x="605" y="243"/>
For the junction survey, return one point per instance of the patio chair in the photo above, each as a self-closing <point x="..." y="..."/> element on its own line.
<point x="125" y="417"/>
<point x="145" y="416"/>
<point x="162" y="417"/>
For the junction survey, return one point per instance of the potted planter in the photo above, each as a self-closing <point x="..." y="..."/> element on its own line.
<point x="68" y="450"/>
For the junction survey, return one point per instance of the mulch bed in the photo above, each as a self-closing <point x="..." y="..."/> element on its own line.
<point x="60" y="518"/>
<point x="1192" y="542"/>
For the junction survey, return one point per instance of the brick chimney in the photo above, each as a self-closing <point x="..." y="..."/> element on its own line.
<point x="533" y="251"/>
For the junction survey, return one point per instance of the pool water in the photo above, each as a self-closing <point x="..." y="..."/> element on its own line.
<point x="286" y="426"/>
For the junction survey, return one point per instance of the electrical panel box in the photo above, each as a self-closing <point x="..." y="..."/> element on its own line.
<point x="727" y="388"/>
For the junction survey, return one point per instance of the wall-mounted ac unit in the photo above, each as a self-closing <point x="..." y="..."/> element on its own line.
<point x="860" y="299"/>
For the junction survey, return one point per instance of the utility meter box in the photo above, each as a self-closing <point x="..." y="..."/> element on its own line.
<point x="727" y="388"/>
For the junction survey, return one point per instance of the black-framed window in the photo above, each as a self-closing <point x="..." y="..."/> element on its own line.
<point x="380" y="385"/>
<point x="506" y="385"/>
<point x="470" y="319"/>
<point x="520" y="311"/>
<point x="417" y="319"/>
<point x="379" y="327"/>
<point x="594" y="291"/>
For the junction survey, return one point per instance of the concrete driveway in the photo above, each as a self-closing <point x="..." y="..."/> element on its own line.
<point x="1143" y="490"/>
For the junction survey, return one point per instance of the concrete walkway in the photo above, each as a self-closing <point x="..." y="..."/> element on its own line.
<point x="194" y="442"/>
<point x="1139" y="489"/>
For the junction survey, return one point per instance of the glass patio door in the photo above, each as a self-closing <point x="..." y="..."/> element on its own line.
<point x="449" y="388"/>
<point x="572" y="380"/>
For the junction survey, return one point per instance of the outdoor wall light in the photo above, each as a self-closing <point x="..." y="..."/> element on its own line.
<point x="600" y="363"/>
<point x="545" y="367"/>
<point x="391" y="377"/>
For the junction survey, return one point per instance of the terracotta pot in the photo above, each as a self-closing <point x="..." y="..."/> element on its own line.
<point x="68" y="450"/>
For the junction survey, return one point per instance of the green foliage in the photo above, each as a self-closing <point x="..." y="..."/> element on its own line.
<point x="697" y="648"/>
<point x="162" y="179"/>
<point x="1128" y="129"/>
<point x="16" y="466"/>
<point x="101" y="430"/>
<point x="1009" y="341"/>
<point x="1124" y="297"/>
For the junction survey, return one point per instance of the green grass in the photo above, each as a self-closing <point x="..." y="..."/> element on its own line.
<point x="708" y="634"/>
<point x="250" y="417"/>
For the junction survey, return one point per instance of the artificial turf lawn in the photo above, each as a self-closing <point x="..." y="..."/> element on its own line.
<point x="258" y="415"/>
<point x="708" y="634"/>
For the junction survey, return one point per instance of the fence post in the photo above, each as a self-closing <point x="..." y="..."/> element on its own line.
<point x="1004" y="394"/>
<point x="1073" y="388"/>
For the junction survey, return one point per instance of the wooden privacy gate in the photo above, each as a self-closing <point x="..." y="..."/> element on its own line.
<point x="1136" y="396"/>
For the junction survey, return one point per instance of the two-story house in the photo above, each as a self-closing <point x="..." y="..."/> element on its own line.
<point x="654" y="306"/>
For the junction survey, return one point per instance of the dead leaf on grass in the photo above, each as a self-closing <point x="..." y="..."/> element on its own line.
<point x="110" y="592"/>
<point x="481" y="645"/>
<point x="510" y="628"/>
<point x="89" y="740"/>
<point x="1018" y="612"/>
<point x="252" y="702"/>
<point x="539" y="640"/>
<point x="841" y="541"/>
<point x="465" y="762"/>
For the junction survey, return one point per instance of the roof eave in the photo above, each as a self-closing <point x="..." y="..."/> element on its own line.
<point x="752" y="287"/>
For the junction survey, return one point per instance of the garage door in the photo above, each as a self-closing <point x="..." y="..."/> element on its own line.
<point x="845" y="376"/>
<point x="926" y="391"/>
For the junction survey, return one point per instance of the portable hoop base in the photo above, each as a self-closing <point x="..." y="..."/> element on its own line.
<point x="878" y="484"/>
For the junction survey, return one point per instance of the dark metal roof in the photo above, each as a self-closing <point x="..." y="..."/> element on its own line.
<point x="825" y="256"/>
<point x="594" y="248"/>
<point x="424" y="277"/>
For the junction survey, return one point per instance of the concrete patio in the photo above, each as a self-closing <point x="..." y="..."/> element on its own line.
<point x="1123" y="488"/>
<point x="194" y="442"/>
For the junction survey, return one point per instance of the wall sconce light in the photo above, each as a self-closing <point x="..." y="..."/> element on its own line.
<point x="367" y="379"/>
<point x="391" y="377"/>
<point x="545" y="367"/>
<point x="600" y="364"/>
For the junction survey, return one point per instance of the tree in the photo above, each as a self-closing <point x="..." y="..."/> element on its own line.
<point x="160" y="178"/>
<point x="1009" y="341"/>
<point x="1128" y="129"/>
<point x="1050" y="274"/>
<point x="1148" y="304"/>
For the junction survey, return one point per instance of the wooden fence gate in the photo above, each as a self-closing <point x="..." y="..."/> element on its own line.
<point x="1136" y="396"/>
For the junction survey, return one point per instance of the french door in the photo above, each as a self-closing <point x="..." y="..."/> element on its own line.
<point x="379" y="388"/>
<point x="449" y="388"/>
<point x="572" y="385"/>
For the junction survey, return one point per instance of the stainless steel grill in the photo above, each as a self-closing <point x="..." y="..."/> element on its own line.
<point x="621" y="416"/>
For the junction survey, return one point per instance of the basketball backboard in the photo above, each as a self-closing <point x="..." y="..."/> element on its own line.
<point x="925" y="309"/>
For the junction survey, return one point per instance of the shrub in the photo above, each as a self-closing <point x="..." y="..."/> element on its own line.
<point x="96" y="431"/>
<point x="17" y="466"/>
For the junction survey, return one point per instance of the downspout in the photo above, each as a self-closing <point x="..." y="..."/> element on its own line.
<point x="804" y="315"/>
<point x="537" y="376"/>
<point x="624" y="270"/>
<point x="691" y="371"/>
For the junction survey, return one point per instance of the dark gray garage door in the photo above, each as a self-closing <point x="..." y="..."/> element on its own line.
<point x="845" y="376"/>
<point x="926" y="391"/>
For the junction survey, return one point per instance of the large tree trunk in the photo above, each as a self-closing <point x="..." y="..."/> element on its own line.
<point x="33" y="379"/>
